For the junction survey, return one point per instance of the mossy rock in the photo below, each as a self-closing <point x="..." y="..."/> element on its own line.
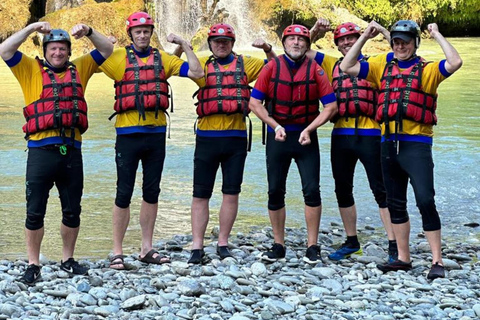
<point x="14" y="15"/>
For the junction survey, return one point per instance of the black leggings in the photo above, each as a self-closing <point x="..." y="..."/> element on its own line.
<point x="346" y="150"/>
<point x="130" y="149"/>
<point x="413" y="162"/>
<point x="279" y="157"/>
<point x="46" y="167"/>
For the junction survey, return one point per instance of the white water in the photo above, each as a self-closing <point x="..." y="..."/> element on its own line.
<point x="170" y="17"/>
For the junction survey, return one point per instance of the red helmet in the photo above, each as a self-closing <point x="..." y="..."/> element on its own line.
<point x="296" y="30"/>
<point x="345" y="29"/>
<point x="221" y="30"/>
<point x="139" y="19"/>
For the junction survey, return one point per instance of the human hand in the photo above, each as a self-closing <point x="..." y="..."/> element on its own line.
<point x="176" y="39"/>
<point x="433" y="29"/>
<point x="280" y="134"/>
<point x="80" y="30"/>
<point x="261" y="44"/>
<point x="372" y="30"/>
<point x="322" y="25"/>
<point x="304" y="138"/>
<point x="42" y="27"/>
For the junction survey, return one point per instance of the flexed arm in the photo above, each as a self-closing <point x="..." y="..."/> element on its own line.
<point x="454" y="62"/>
<point x="195" y="70"/>
<point x="267" y="48"/>
<point x="319" y="29"/>
<point x="12" y="43"/>
<point x="101" y="42"/>
<point x="349" y="64"/>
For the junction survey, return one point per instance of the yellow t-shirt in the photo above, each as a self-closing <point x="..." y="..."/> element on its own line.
<point x="29" y="75"/>
<point x="221" y="125"/>
<point x="131" y="121"/>
<point x="432" y="75"/>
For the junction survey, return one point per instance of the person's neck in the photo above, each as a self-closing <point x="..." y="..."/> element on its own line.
<point x="228" y="59"/>
<point x="56" y="69"/>
<point x="141" y="52"/>
<point x="294" y="63"/>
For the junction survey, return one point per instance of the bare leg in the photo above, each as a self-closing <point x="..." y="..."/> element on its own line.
<point x="33" y="239"/>
<point x="148" y="216"/>
<point x="435" y="241"/>
<point x="402" y="234"/>
<point x="387" y="223"/>
<point x="312" y="219"/>
<point x="277" y="219"/>
<point x="228" y="214"/>
<point x="349" y="218"/>
<point x="200" y="216"/>
<point x="121" y="219"/>
<point x="69" y="237"/>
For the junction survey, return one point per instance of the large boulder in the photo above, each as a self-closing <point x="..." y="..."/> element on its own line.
<point x="14" y="15"/>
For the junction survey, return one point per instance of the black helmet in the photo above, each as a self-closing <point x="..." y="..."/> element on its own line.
<point x="406" y="30"/>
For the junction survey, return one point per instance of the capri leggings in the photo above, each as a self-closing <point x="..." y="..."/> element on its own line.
<point x="210" y="153"/>
<point x="279" y="157"/>
<point x="413" y="162"/>
<point x="346" y="150"/>
<point x="46" y="166"/>
<point x="130" y="149"/>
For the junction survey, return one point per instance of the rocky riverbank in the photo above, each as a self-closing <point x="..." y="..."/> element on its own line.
<point x="245" y="288"/>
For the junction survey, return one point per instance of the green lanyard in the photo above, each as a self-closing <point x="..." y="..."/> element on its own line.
<point x="63" y="150"/>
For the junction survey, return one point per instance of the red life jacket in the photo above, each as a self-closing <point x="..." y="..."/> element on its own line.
<point x="226" y="91"/>
<point x="355" y="97"/>
<point x="293" y="99"/>
<point x="143" y="86"/>
<point x="404" y="89"/>
<point x="61" y="104"/>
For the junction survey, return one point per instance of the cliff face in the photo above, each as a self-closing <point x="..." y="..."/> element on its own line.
<point x="106" y="17"/>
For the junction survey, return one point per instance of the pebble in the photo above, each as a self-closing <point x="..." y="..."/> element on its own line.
<point x="244" y="287"/>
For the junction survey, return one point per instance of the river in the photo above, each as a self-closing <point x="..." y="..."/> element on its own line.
<point x="456" y="155"/>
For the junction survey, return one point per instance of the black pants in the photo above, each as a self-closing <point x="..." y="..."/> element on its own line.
<point x="210" y="153"/>
<point x="46" y="166"/>
<point x="346" y="151"/>
<point x="279" y="158"/>
<point x="413" y="162"/>
<point x="130" y="149"/>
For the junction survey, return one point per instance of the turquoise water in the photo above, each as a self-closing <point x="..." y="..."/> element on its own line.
<point x="456" y="153"/>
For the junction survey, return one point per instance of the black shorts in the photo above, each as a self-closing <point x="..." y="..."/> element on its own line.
<point x="346" y="150"/>
<point x="130" y="149"/>
<point x="279" y="157"/>
<point x="46" y="167"/>
<point x="210" y="153"/>
<point x="411" y="161"/>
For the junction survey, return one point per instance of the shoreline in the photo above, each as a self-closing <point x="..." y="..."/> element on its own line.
<point x="246" y="288"/>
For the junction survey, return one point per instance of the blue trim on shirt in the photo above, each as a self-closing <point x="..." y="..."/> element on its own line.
<point x="97" y="56"/>
<point x="141" y="129"/>
<point x="257" y="94"/>
<point x="222" y="133"/>
<point x="265" y="61"/>
<point x="53" y="140"/>
<point x="319" y="58"/>
<point x="408" y="64"/>
<point x="364" y="69"/>
<point x="184" y="70"/>
<point x="141" y="54"/>
<point x="329" y="98"/>
<point x="290" y="127"/>
<point x="14" y="60"/>
<point x="408" y="137"/>
<point x="443" y="70"/>
<point x="227" y="60"/>
<point x="360" y="132"/>
<point x="390" y="56"/>
<point x="294" y="64"/>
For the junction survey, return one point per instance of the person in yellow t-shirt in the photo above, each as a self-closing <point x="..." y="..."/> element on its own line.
<point x="56" y="114"/>
<point x="406" y="107"/>
<point x="142" y="98"/>
<point x="221" y="135"/>
<point x="355" y="137"/>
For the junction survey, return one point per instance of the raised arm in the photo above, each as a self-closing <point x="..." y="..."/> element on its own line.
<point x="382" y="30"/>
<point x="454" y="62"/>
<point x="267" y="48"/>
<point x="349" y="64"/>
<point x="101" y="43"/>
<point x="12" y="43"/>
<point x="195" y="70"/>
<point x="319" y="29"/>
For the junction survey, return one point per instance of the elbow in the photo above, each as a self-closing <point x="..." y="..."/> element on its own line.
<point x="199" y="74"/>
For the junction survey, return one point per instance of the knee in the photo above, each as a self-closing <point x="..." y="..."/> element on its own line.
<point x="276" y="200"/>
<point x="151" y="195"/>
<point x="34" y="221"/>
<point x="202" y="192"/>
<point x="123" y="197"/>
<point x="71" y="220"/>
<point x="232" y="190"/>
<point x="344" y="200"/>
<point x="312" y="197"/>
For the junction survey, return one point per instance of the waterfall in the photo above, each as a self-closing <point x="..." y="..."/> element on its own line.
<point x="183" y="17"/>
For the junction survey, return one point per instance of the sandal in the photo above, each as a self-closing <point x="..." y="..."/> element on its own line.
<point x="159" y="259"/>
<point x="119" y="264"/>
